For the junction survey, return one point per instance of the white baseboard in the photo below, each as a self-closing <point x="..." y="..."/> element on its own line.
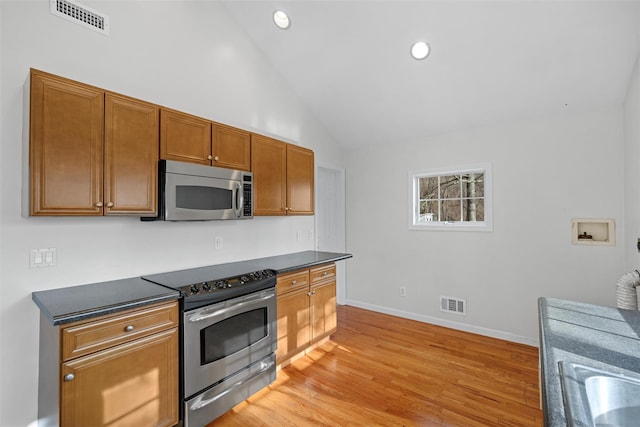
<point x="446" y="323"/>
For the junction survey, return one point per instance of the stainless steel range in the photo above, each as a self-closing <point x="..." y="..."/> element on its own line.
<point x="229" y="336"/>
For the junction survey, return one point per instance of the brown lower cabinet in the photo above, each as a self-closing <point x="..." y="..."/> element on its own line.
<point x="306" y="310"/>
<point x="117" y="370"/>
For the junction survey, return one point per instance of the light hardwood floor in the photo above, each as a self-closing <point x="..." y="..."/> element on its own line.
<point x="381" y="370"/>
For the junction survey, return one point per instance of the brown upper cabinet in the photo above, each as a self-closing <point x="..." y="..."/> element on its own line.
<point x="283" y="177"/>
<point x="92" y="152"/>
<point x="231" y="147"/>
<point x="192" y="139"/>
<point x="184" y="137"/>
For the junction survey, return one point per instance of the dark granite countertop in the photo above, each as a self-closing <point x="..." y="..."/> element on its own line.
<point x="295" y="261"/>
<point x="75" y="303"/>
<point x="600" y="337"/>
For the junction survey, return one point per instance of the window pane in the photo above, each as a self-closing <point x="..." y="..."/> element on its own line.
<point x="473" y="185"/>
<point x="450" y="186"/>
<point x="428" y="210"/>
<point x="429" y="187"/>
<point x="450" y="210"/>
<point x="473" y="209"/>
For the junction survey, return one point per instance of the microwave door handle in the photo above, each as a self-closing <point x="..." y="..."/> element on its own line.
<point x="239" y="199"/>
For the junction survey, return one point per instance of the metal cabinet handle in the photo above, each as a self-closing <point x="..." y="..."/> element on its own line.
<point x="294" y="282"/>
<point x="69" y="377"/>
<point x="99" y="204"/>
<point x="324" y="274"/>
<point x="209" y="157"/>
<point x="110" y="204"/>
<point x="216" y="158"/>
<point x="129" y="328"/>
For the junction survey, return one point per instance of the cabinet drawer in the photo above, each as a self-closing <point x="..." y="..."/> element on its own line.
<point x="292" y="281"/>
<point x="323" y="272"/>
<point x="85" y="338"/>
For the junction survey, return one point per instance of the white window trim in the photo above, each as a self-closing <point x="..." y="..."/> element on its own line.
<point x="486" y="225"/>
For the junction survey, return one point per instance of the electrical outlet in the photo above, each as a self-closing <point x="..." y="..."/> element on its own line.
<point x="403" y="291"/>
<point x="299" y="235"/>
<point x="310" y="234"/>
<point x="219" y="241"/>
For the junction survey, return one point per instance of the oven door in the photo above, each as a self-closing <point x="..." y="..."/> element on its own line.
<point x="224" y="338"/>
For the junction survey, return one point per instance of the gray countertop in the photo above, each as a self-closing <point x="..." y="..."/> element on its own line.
<point x="601" y="337"/>
<point x="81" y="302"/>
<point x="65" y="305"/>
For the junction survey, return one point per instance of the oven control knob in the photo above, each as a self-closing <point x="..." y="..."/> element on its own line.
<point x="206" y="286"/>
<point x="244" y="279"/>
<point x="220" y="284"/>
<point x="194" y="289"/>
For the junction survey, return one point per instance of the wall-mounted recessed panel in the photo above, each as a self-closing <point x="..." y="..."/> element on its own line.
<point x="593" y="231"/>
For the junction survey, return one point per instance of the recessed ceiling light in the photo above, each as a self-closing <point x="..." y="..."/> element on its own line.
<point x="281" y="19"/>
<point x="420" y="50"/>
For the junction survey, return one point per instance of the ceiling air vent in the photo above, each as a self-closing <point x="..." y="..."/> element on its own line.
<point x="453" y="305"/>
<point x="82" y="15"/>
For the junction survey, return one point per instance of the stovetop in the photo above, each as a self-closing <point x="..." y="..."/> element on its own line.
<point x="206" y="285"/>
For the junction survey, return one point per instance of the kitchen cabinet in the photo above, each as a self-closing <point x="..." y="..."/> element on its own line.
<point x="91" y="152"/>
<point x="184" y="137"/>
<point x="300" y="182"/>
<point x="306" y="310"/>
<point x="192" y="139"/>
<point x="231" y="147"/>
<point x="283" y="177"/>
<point x="114" y="370"/>
<point x="131" y="156"/>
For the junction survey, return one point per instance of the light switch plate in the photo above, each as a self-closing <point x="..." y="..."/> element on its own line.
<point x="42" y="257"/>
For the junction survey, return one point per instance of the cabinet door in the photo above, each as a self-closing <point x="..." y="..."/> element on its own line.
<point x="268" y="164"/>
<point x="130" y="385"/>
<point x="66" y="140"/>
<point x="231" y="148"/>
<point x="293" y="324"/>
<point x="184" y="137"/>
<point x="131" y="156"/>
<point x="300" y="173"/>
<point x="323" y="310"/>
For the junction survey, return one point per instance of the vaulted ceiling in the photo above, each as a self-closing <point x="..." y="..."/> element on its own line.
<point x="490" y="61"/>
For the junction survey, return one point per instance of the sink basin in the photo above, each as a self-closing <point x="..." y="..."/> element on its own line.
<point x="597" y="398"/>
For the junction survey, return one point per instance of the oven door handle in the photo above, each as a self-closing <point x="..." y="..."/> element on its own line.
<point x="207" y="314"/>
<point x="202" y="402"/>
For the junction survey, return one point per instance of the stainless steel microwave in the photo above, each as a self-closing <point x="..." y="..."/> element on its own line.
<point x="191" y="192"/>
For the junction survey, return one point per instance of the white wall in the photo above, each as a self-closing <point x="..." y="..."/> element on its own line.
<point x="185" y="55"/>
<point x="545" y="171"/>
<point x="632" y="169"/>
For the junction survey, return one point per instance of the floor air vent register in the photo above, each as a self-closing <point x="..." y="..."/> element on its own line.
<point x="453" y="305"/>
<point x="79" y="14"/>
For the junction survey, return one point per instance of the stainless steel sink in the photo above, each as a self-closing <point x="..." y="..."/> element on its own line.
<point x="598" y="398"/>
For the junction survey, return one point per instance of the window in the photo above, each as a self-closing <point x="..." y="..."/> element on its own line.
<point x="451" y="199"/>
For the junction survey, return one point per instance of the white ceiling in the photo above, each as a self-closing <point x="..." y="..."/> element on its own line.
<point x="490" y="61"/>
